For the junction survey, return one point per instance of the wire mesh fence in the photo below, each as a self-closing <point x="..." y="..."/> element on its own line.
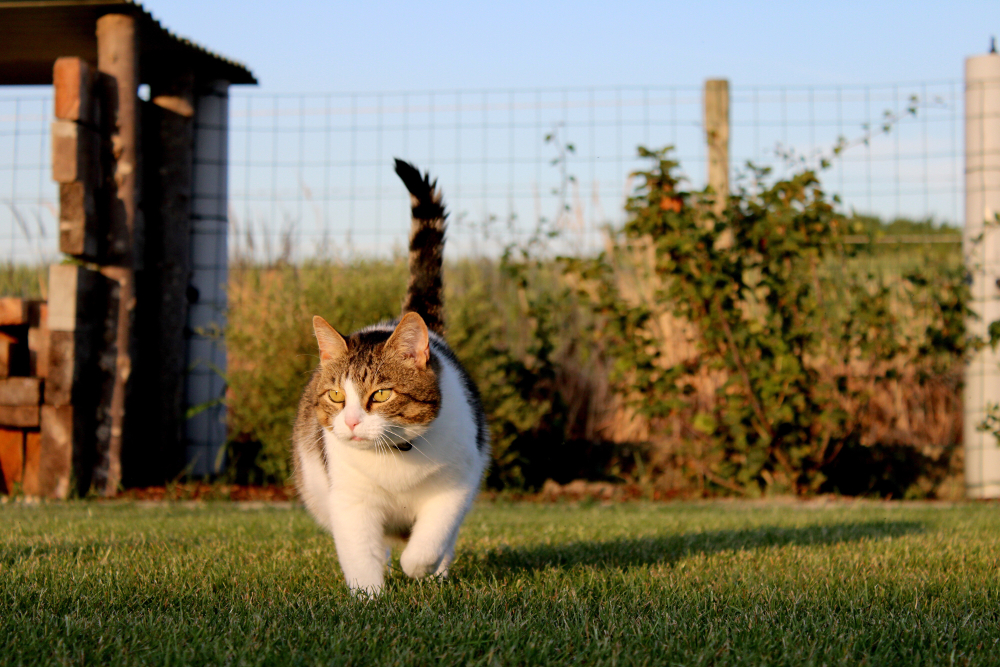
<point x="312" y="173"/>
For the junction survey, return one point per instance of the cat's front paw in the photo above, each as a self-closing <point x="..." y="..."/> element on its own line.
<point x="417" y="564"/>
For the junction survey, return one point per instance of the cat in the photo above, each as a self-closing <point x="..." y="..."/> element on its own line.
<point x="390" y="441"/>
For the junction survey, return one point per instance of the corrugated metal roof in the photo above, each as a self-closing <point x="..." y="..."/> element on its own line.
<point x="33" y="33"/>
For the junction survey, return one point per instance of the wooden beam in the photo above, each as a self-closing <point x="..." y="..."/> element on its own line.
<point x="117" y="57"/>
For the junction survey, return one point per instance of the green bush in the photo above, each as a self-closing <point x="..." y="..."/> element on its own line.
<point x="797" y="341"/>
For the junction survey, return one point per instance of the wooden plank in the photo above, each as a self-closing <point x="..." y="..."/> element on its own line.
<point x="75" y="153"/>
<point x="20" y="391"/>
<point x="19" y="416"/>
<point x="32" y="462"/>
<point x="13" y="311"/>
<point x="73" y="80"/>
<point x="11" y="459"/>
<point x="56" y="451"/>
<point x="78" y="220"/>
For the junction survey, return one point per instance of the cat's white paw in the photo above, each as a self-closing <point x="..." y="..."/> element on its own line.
<point x="417" y="564"/>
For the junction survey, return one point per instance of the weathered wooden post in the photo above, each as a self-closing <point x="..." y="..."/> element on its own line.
<point x="981" y="247"/>
<point x="717" y="136"/>
<point x="118" y="58"/>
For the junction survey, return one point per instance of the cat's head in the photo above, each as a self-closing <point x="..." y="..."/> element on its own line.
<point x="377" y="388"/>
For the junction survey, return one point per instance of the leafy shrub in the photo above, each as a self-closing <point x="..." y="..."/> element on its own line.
<point x="791" y="344"/>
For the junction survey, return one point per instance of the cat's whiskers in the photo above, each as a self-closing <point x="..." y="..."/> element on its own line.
<point x="389" y="447"/>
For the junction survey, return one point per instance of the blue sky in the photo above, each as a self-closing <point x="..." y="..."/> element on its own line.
<point x="307" y="46"/>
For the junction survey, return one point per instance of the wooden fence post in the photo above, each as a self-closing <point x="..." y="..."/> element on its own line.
<point x="717" y="135"/>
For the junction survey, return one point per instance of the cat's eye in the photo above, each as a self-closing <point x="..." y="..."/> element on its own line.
<point x="336" y="395"/>
<point x="382" y="395"/>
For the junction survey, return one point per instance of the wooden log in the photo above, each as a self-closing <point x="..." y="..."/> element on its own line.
<point x="20" y="391"/>
<point x="117" y="57"/>
<point x="55" y="451"/>
<point x="19" y="416"/>
<point x="13" y="311"/>
<point x="11" y="459"/>
<point x="75" y="153"/>
<point x="73" y="80"/>
<point x="32" y="463"/>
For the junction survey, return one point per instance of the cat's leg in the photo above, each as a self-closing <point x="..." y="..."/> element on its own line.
<point x="449" y="555"/>
<point x="432" y="544"/>
<point x="358" y="535"/>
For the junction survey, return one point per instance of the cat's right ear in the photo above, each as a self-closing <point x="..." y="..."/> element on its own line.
<point x="331" y="344"/>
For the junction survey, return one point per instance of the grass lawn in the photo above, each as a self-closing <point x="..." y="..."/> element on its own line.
<point x="637" y="583"/>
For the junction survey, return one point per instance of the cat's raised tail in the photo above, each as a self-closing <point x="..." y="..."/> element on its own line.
<point x="424" y="294"/>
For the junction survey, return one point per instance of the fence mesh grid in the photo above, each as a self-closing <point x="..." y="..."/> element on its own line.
<point x="312" y="173"/>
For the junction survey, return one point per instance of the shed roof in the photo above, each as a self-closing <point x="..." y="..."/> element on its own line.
<point x="36" y="32"/>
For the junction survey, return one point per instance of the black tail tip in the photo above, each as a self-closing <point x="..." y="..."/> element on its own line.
<point x="419" y="186"/>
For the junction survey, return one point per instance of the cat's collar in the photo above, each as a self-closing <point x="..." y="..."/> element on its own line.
<point x="403" y="446"/>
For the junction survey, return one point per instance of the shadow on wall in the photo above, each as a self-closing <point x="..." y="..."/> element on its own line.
<point x="668" y="549"/>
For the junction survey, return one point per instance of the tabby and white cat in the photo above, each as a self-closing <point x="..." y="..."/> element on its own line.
<point x="390" y="441"/>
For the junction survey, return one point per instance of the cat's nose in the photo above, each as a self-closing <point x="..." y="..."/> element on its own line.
<point x="352" y="420"/>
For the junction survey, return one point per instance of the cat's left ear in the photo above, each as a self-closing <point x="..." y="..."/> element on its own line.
<point x="411" y="340"/>
<point x="331" y="344"/>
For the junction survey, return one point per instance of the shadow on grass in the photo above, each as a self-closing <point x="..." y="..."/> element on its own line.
<point x="624" y="552"/>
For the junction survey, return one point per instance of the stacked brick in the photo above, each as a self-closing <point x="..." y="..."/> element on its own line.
<point x="24" y="339"/>
<point x="59" y="358"/>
